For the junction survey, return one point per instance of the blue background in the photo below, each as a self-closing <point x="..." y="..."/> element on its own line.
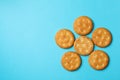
<point x="27" y="47"/>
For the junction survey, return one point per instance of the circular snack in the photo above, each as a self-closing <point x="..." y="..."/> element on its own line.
<point x="101" y="37"/>
<point x="64" y="38"/>
<point x="83" y="25"/>
<point x="83" y="45"/>
<point x="98" y="60"/>
<point x="71" y="61"/>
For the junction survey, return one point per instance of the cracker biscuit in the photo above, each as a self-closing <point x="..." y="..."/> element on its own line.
<point x="101" y="37"/>
<point x="83" y="45"/>
<point x="64" y="38"/>
<point x="83" y="25"/>
<point x="98" y="60"/>
<point x="71" y="61"/>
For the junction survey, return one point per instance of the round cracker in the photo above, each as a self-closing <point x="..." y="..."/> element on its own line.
<point x="83" y="25"/>
<point x="64" y="38"/>
<point x="98" y="60"/>
<point x="71" y="61"/>
<point x="83" y="45"/>
<point x="101" y="37"/>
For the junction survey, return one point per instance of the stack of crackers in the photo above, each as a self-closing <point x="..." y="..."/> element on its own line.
<point x="83" y="45"/>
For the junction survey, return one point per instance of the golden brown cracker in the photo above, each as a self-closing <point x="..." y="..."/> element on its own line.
<point x="71" y="61"/>
<point x="98" y="60"/>
<point x="83" y="45"/>
<point x="101" y="37"/>
<point x="64" y="38"/>
<point x="83" y="25"/>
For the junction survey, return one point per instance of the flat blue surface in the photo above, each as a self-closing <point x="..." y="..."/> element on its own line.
<point x="27" y="47"/>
